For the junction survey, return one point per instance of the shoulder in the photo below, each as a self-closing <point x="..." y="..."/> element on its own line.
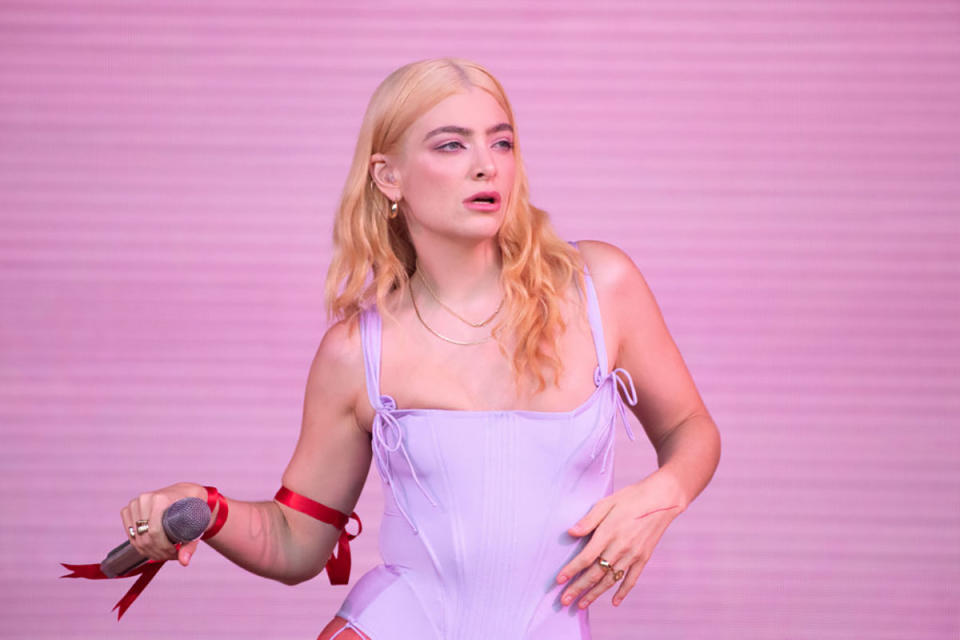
<point x="337" y="367"/>
<point x="612" y="270"/>
<point x="340" y="345"/>
<point x="625" y="298"/>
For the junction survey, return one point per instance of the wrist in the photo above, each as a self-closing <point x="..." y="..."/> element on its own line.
<point x="218" y="511"/>
<point x="674" y="488"/>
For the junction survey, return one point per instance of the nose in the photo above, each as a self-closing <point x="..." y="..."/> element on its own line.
<point x="484" y="167"/>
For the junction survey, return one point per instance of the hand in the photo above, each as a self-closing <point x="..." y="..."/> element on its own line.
<point x="150" y="507"/>
<point x="626" y="526"/>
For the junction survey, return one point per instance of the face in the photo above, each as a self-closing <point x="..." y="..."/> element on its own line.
<point x="460" y="148"/>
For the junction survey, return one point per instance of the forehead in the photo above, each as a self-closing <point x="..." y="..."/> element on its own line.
<point x="474" y="109"/>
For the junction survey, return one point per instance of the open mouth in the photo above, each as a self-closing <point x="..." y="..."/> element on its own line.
<point x="484" y="198"/>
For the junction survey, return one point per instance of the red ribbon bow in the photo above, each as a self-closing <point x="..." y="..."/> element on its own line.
<point x="338" y="566"/>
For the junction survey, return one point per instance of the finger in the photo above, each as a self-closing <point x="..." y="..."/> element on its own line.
<point x="582" y="560"/>
<point x="590" y="578"/>
<point x="133" y="514"/>
<point x="633" y="574"/>
<point x="140" y="512"/>
<point x="589" y="522"/>
<point x="186" y="551"/>
<point x="586" y="581"/>
<point x="597" y="590"/>
<point x="145" y="543"/>
<point x="127" y="521"/>
<point x="155" y="540"/>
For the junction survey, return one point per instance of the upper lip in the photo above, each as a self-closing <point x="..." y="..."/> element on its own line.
<point x="484" y="194"/>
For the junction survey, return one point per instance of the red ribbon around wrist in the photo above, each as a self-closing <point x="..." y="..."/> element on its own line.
<point x="215" y="498"/>
<point x="338" y="565"/>
<point x="149" y="569"/>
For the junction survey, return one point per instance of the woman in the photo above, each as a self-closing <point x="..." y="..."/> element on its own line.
<point x="470" y="361"/>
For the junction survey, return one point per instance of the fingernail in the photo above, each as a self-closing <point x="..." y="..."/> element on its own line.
<point x="562" y="578"/>
<point x="567" y="599"/>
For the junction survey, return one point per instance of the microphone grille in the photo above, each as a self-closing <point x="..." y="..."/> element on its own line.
<point x="186" y="519"/>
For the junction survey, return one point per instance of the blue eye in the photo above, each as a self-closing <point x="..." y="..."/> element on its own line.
<point x="449" y="146"/>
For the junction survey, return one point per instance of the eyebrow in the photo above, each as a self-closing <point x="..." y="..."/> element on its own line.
<point x="503" y="126"/>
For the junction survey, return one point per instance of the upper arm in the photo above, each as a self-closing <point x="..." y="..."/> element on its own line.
<point x="332" y="456"/>
<point x="666" y="393"/>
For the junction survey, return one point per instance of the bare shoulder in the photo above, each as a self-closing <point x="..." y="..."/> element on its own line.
<point x="624" y="295"/>
<point x="336" y="373"/>
<point x="609" y="265"/>
<point x="614" y="274"/>
<point x="340" y="345"/>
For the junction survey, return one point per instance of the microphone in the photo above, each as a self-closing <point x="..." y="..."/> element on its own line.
<point x="183" y="521"/>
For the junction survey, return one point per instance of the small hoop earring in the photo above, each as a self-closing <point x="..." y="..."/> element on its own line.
<point x="393" y="211"/>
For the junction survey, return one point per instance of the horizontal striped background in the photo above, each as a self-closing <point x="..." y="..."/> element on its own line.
<point x="785" y="174"/>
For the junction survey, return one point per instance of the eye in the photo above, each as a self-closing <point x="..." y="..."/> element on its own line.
<point x="505" y="144"/>
<point x="447" y="147"/>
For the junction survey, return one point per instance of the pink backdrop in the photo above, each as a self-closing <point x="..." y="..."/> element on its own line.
<point x="785" y="175"/>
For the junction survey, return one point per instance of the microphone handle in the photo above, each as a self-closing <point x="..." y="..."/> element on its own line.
<point x="122" y="559"/>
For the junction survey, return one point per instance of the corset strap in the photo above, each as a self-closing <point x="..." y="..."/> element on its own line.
<point x="387" y="439"/>
<point x="622" y="387"/>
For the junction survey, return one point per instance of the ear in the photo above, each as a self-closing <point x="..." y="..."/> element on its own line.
<point x="385" y="176"/>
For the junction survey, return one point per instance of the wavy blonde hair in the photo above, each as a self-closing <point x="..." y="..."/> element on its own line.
<point x="374" y="256"/>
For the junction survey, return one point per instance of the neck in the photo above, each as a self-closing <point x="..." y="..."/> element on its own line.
<point x="464" y="277"/>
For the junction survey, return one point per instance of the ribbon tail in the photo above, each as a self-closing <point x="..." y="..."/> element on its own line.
<point x="338" y="566"/>
<point x="416" y="478"/>
<point x="145" y="577"/>
<point x="626" y="423"/>
<point x="88" y="571"/>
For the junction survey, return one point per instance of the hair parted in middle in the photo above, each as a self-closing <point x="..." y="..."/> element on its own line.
<point x="374" y="256"/>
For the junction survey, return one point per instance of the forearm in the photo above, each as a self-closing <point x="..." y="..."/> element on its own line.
<point x="689" y="455"/>
<point x="257" y="537"/>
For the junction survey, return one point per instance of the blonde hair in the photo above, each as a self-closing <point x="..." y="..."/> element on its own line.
<point x="373" y="255"/>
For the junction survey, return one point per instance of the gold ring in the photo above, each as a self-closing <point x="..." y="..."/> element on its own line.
<point x="617" y="573"/>
<point x="130" y="530"/>
<point x="143" y="526"/>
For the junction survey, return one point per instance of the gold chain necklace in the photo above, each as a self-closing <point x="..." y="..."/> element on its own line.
<point x="476" y="325"/>
<point x="438" y="334"/>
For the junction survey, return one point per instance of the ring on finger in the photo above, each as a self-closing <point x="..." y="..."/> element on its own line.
<point x="617" y="573"/>
<point x="132" y="532"/>
<point x="143" y="526"/>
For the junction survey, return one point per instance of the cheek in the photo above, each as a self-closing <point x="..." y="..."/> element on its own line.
<point x="428" y="179"/>
<point x="439" y="170"/>
<point x="507" y="170"/>
<point x="509" y="165"/>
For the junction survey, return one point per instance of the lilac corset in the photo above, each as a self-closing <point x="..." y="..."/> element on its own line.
<point x="477" y="505"/>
